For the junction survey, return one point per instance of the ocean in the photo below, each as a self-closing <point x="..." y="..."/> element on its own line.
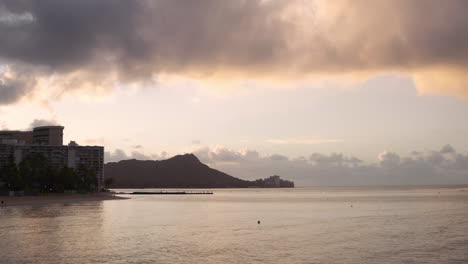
<point x="302" y="225"/>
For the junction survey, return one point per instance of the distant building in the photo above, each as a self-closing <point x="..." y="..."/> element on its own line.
<point x="273" y="182"/>
<point x="48" y="141"/>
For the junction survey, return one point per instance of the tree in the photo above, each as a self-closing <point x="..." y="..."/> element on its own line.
<point x="37" y="173"/>
<point x="10" y="176"/>
<point x="87" y="179"/>
<point x="108" y="182"/>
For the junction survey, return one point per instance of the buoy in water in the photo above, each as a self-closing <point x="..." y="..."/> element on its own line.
<point x="258" y="222"/>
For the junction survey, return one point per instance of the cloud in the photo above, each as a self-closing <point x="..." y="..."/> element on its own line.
<point x="9" y="18"/>
<point x="389" y="159"/>
<point x="14" y="85"/>
<point x="59" y="46"/>
<point x="447" y="149"/>
<point x="334" y="159"/>
<point x="42" y="122"/>
<point x="337" y="169"/>
<point x="119" y="154"/>
<point x="220" y="154"/>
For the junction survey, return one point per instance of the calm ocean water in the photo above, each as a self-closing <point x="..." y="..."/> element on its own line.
<point x="347" y="225"/>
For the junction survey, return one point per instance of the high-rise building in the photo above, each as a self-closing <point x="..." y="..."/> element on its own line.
<point x="23" y="137"/>
<point x="48" y="135"/>
<point x="48" y="142"/>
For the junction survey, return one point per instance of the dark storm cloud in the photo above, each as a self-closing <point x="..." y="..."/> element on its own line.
<point x="65" y="34"/>
<point x="81" y="43"/>
<point x="11" y="90"/>
<point x="141" y="36"/>
<point x="15" y="83"/>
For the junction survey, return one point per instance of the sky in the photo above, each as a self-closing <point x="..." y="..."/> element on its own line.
<point x="320" y="92"/>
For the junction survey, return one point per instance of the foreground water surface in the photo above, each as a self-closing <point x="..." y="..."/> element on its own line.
<point x="340" y="225"/>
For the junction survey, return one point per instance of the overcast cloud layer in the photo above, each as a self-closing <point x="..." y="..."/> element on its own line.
<point x="54" y="46"/>
<point x="445" y="166"/>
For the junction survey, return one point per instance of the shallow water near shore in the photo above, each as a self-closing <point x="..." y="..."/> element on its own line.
<point x="330" y="225"/>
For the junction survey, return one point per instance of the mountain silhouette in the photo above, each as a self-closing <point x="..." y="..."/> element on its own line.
<point x="181" y="171"/>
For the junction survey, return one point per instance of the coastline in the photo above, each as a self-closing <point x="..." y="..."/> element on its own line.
<point x="50" y="199"/>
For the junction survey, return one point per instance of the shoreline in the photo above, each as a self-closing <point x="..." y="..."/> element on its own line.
<point x="50" y="199"/>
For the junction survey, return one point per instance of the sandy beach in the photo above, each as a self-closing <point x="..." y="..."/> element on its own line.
<point x="48" y="199"/>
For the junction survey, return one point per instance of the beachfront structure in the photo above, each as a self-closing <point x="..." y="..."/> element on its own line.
<point x="48" y="142"/>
